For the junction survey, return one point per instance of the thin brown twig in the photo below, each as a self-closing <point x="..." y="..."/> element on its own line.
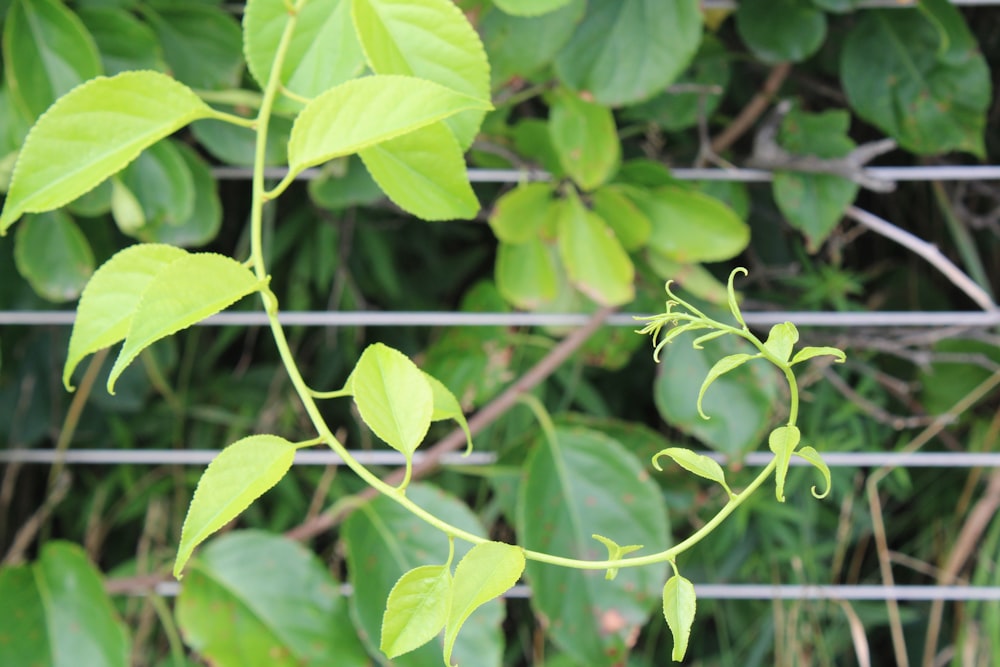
<point x="456" y="439"/>
<point x="753" y="110"/>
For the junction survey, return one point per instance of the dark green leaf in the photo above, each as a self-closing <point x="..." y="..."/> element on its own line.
<point x="781" y="30"/>
<point x="124" y="42"/>
<point x="522" y="45"/>
<point x="53" y="255"/>
<point x="162" y="183"/>
<point x="205" y="218"/>
<point x="529" y="7"/>
<point x="201" y="44"/>
<point x="343" y="184"/>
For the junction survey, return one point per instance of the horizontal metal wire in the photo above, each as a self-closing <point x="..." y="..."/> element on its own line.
<point x="476" y="175"/>
<point x="200" y="457"/>
<point x="773" y="592"/>
<point x="372" y="318"/>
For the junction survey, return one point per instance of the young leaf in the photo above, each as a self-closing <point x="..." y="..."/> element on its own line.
<point x="423" y="172"/>
<point x="111" y="298"/>
<point x="734" y="306"/>
<point x="783" y="441"/>
<point x="810" y="352"/>
<point x="240" y="474"/>
<point x="446" y="406"/>
<point x="721" y="367"/>
<point x="340" y="121"/>
<point x="615" y="552"/>
<point x="679" y="606"/>
<point x="91" y="133"/>
<point x="585" y="138"/>
<point x="781" y="339"/>
<point x="699" y="464"/>
<point x="184" y="292"/>
<point x="430" y="39"/>
<point x="486" y="572"/>
<point x="416" y="610"/>
<point x="813" y="457"/>
<point x="394" y="398"/>
<point x="520" y="215"/>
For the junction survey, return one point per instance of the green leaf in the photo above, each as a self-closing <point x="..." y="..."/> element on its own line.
<point x="93" y="132"/>
<point x="615" y="552"/>
<point x="812" y="456"/>
<point x="781" y="30"/>
<point x="53" y="255"/>
<point x="783" y="441"/>
<point x="585" y="138"/>
<point x="124" y="42"/>
<point x="810" y="352"/>
<point x="344" y="183"/>
<point x="393" y="397"/>
<point x="185" y="291"/>
<point x="253" y="599"/>
<point x="577" y="485"/>
<point x="201" y="44"/>
<point x="423" y="172"/>
<point x="627" y="50"/>
<point x="720" y="368"/>
<point x="930" y="86"/>
<point x="520" y="215"/>
<point x="446" y="406"/>
<point x="781" y="339"/>
<point x="162" y="183"/>
<point x="239" y="475"/>
<point x="814" y="203"/>
<point x="699" y="464"/>
<point x="679" y="606"/>
<point x="595" y="261"/>
<point x="734" y="306"/>
<point x="236" y="145"/>
<point x="383" y="540"/>
<point x="485" y="573"/>
<point x="629" y="223"/>
<point x="519" y="46"/>
<point x="527" y="274"/>
<point x="205" y="218"/>
<point x="690" y="226"/>
<point x="430" y="39"/>
<point x="340" y="121"/>
<point x="111" y="298"/>
<point x="125" y="208"/>
<point x="530" y="7"/>
<point x="310" y="66"/>
<point x="47" y="52"/>
<point x="55" y="613"/>
<point x="741" y="401"/>
<point x="417" y="609"/>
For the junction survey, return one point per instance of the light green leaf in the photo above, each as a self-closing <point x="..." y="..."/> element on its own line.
<point x="55" y="613"/>
<point x="111" y="298"/>
<point x="627" y="50"/>
<point x="585" y="138"/>
<point x="781" y="30"/>
<point x="47" y="52"/>
<point x="930" y="86"/>
<point x="423" y="172"/>
<point x="720" y="368"/>
<point x="240" y="474"/>
<point x="734" y="306"/>
<point x="340" y="121"/>
<point x="201" y="43"/>
<point x="53" y="255"/>
<point x="615" y="552"/>
<point x="679" y="606"/>
<point x="628" y="222"/>
<point x="521" y="214"/>
<point x="695" y="279"/>
<point x="810" y="352"/>
<point x="595" y="261"/>
<point x="394" y="398"/>
<point x="530" y="7"/>
<point x="417" y="609"/>
<point x="125" y="208"/>
<point x="781" y="339"/>
<point x="430" y="39"/>
<point x="93" y="132"/>
<point x="446" y="406"/>
<point x="311" y="66"/>
<point x="783" y="441"/>
<point x="486" y="572"/>
<point x="256" y="599"/>
<point x="812" y="456"/>
<point x="527" y="274"/>
<point x="699" y="464"/>
<point x="185" y="291"/>
<point x="690" y="226"/>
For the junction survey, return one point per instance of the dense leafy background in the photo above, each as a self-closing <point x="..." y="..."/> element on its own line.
<point x="605" y="95"/>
